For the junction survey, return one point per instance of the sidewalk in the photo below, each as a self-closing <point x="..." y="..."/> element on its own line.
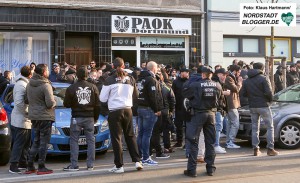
<point x="105" y="162"/>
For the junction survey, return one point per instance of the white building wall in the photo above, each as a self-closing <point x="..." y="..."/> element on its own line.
<point x="218" y="27"/>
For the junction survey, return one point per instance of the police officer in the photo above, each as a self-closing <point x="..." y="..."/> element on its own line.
<point x="203" y="98"/>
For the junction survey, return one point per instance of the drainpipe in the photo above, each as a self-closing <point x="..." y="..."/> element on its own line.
<point x="206" y="32"/>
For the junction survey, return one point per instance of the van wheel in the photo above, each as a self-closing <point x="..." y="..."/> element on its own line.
<point x="289" y="135"/>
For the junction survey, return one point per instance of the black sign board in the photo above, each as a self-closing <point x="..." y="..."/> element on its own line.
<point x="123" y="41"/>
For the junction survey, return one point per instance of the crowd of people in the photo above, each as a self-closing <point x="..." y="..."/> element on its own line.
<point x="198" y="104"/>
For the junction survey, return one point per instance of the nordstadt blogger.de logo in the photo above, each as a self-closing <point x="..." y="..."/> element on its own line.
<point x="268" y="14"/>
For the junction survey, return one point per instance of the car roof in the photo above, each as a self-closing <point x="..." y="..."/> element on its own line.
<point x="60" y="85"/>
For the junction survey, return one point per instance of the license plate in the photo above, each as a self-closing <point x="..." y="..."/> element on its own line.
<point x="241" y="127"/>
<point x="82" y="141"/>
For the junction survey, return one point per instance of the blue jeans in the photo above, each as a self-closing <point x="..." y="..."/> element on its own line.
<point x="135" y="125"/>
<point x="266" y="115"/>
<point x="146" y="122"/>
<point x="225" y="121"/>
<point x="219" y="127"/>
<point x="233" y="125"/>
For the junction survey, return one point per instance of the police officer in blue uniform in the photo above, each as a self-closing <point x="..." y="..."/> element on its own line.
<point x="203" y="97"/>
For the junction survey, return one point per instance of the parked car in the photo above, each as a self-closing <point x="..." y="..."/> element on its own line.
<point x="286" y="116"/>
<point x="5" y="137"/>
<point x="60" y="137"/>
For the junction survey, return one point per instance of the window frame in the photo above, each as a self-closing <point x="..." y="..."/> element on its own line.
<point x="240" y="53"/>
<point x="267" y="47"/>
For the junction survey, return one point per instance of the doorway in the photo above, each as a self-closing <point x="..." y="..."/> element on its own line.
<point x="127" y="55"/>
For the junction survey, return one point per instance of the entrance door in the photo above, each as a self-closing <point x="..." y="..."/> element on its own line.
<point x="78" y="49"/>
<point x="127" y="55"/>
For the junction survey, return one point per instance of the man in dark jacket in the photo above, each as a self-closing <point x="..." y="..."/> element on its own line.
<point x="180" y="112"/>
<point x="5" y="81"/>
<point x="258" y="89"/>
<point x="293" y="76"/>
<point x="57" y="75"/>
<point x="278" y="79"/>
<point x="149" y="108"/>
<point x="41" y="113"/>
<point x="82" y="98"/>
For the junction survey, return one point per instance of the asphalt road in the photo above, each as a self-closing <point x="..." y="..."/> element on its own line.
<point x="238" y="165"/>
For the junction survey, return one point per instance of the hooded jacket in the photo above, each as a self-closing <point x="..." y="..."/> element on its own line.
<point x="19" y="115"/>
<point x="258" y="89"/>
<point x="150" y="94"/>
<point x="40" y="98"/>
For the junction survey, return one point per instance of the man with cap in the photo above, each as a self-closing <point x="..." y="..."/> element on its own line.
<point x="293" y="76"/>
<point x="278" y="79"/>
<point x="259" y="91"/>
<point x="56" y="74"/>
<point x="180" y="112"/>
<point x="203" y="99"/>
<point x="221" y="110"/>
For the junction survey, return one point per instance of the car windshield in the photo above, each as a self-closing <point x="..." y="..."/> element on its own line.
<point x="290" y="95"/>
<point x="59" y="95"/>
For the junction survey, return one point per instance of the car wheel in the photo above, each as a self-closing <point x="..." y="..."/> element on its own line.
<point x="4" y="158"/>
<point x="289" y="135"/>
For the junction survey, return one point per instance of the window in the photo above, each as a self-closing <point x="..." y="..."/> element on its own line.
<point x="250" y="45"/>
<point x="298" y="46"/>
<point x="18" y="49"/>
<point x="231" y="45"/>
<point x="282" y="48"/>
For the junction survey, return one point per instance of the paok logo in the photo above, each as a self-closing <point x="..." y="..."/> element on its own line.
<point x="287" y="18"/>
<point x="121" y="24"/>
<point x="83" y="95"/>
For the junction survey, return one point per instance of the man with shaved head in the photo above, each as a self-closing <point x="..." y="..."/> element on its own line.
<point x="149" y="108"/>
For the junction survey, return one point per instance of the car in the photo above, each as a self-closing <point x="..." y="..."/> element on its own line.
<point x="5" y="137"/>
<point x="60" y="134"/>
<point x="285" y="109"/>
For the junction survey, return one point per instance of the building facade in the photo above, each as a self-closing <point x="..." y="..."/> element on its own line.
<point x="43" y="31"/>
<point x="227" y="40"/>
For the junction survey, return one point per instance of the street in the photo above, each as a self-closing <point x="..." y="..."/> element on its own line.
<point x="238" y="165"/>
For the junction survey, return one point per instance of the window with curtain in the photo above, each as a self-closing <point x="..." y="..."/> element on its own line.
<point x="18" y="49"/>
<point x="231" y="45"/>
<point x="250" y="45"/>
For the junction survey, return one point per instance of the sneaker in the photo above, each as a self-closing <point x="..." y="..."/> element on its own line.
<point x="222" y="135"/>
<point x="169" y="150"/>
<point x="22" y="166"/>
<point x="138" y="165"/>
<point x="219" y="150"/>
<point x="272" y="152"/>
<point x="70" y="168"/>
<point x="232" y="145"/>
<point x="189" y="174"/>
<point x="162" y="156"/>
<point x="116" y="170"/>
<point x="257" y="152"/>
<point x="90" y="168"/>
<point x="149" y="162"/>
<point x="43" y="171"/>
<point x="30" y="169"/>
<point x="14" y="168"/>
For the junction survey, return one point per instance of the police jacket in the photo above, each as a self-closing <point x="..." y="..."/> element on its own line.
<point x="258" y="89"/>
<point x="118" y="92"/>
<point x="292" y="78"/>
<point x="150" y="94"/>
<point x="204" y="95"/>
<point x="83" y="98"/>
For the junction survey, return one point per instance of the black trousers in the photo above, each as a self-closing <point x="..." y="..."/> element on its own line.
<point x="21" y="144"/>
<point x="155" y="138"/>
<point x="42" y="135"/>
<point x="199" y="121"/>
<point x="166" y="128"/>
<point x="179" y="125"/>
<point x="120" y="121"/>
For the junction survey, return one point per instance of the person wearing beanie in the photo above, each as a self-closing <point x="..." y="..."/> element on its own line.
<point x="82" y="98"/>
<point x="293" y="76"/>
<point x="259" y="92"/>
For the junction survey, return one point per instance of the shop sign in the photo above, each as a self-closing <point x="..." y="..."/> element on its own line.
<point x="151" y="25"/>
<point x="123" y="41"/>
